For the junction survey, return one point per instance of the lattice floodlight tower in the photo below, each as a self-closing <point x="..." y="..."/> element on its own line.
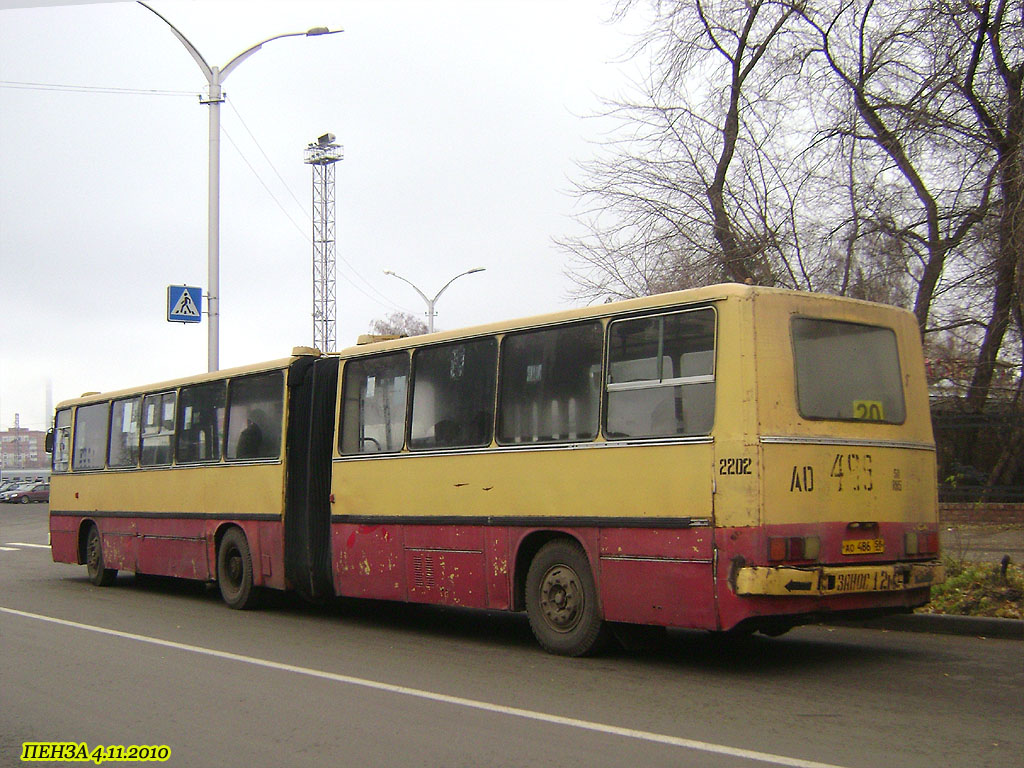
<point x="322" y="155"/>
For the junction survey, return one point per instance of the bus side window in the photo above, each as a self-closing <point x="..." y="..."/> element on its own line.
<point x="453" y="394"/>
<point x="90" y="436"/>
<point x="201" y="414"/>
<point x="374" y="396"/>
<point x="698" y="399"/>
<point x="125" y="427"/>
<point x="157" y="428"/>
<point x="550" y="384"/>
<point x="661" y="375"/>
<point x="255" y="412"/>
<point x="62" y="441"/>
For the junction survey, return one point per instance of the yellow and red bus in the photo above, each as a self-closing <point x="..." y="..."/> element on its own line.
<point x="729" y="458"/>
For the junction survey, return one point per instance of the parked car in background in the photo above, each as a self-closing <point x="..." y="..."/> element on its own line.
<point x="25" y="493"/>
<point x="8" y="489"/>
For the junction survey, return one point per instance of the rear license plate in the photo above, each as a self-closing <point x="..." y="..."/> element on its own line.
<point x="864" y="546"/>
<point x="869" y="580"/>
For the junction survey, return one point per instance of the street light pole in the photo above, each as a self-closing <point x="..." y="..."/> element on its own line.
<point x="433" y="301"/>
<point x="214" y="98"/>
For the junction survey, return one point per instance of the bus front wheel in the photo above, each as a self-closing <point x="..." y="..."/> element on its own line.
<point x="561" y="600"/>
<point x="99" y="574"/>
<point x="234" y="571"/>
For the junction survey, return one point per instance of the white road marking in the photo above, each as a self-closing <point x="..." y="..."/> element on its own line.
<point x="458" y="701"/>
<point x="8" y="549"/>
<point x="24" y="544"/>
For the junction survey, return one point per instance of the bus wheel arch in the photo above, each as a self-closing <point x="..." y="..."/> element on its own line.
<point x="525" y="553"/>
<point x="235" y="571"/>
<point x="560" y="595"/>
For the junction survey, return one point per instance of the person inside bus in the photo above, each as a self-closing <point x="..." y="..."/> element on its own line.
<point x="250" y="440"/>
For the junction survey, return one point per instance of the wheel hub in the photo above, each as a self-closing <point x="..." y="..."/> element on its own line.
<point x="561" y="598"/>
<point x="235" y="569"/>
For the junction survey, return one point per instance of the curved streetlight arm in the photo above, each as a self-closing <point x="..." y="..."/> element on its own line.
<point x="433" y="301"/>
<point x="207" y="69"/>
<point x="315" y="31"/>
<point x="217" y="76"/>
<point x="421" y="293"/>
<point x="461" y="274"/>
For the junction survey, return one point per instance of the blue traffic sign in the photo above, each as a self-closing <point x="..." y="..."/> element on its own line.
<point x="184" y="304"/>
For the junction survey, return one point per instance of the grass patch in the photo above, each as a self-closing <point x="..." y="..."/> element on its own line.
<point x="979" y="589"/>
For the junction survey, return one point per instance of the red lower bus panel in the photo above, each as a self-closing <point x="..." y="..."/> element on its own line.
<point x="659" y="576"/>
<point x="268" y="554"/>
<point x="497" y="572"/>
<point x="64" y="539"/>
<point x="663" y="593"/>
<point x="184" y="548"/>
<point x="173" y="547"/>
<point x="120" y="546"/>
<point x="369" y="561"/>
<point x="447" y="565"/>
<point x="446" y="577"/>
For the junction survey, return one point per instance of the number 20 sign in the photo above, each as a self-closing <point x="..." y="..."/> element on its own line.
<point x="868" y="410"/>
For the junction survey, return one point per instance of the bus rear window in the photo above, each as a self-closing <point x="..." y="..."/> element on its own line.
<point x="846" y="371"/>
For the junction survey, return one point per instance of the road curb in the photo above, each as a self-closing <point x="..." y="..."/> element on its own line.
<point x="942" y="624"/>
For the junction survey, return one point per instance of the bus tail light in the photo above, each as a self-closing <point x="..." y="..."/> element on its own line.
<point x="812" y="547"/>
<point x="778" y="548"/>
<point x="921" y="542"/>
<point x="794" y="547"/>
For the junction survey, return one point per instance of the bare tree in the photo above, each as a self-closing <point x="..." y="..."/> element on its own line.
<point x="926" y="194"/>
<point x="871" y="148"/>
<point x="691" y="191"/>
<point x="991" y="82"/>
<point x="937" y="88"/>
<point x="398" y="324"/>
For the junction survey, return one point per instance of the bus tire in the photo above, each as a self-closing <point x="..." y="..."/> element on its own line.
<point x="99" y="574"/>
<point x="234" y="571"/>
<point x="561" y="600"/>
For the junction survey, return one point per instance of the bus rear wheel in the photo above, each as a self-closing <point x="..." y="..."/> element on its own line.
<point x="561" y="600"/>
<point x="99" y="574"/>
<point x="234" y="571"/>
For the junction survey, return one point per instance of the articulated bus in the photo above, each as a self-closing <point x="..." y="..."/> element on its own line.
<point x="729" y="458"/>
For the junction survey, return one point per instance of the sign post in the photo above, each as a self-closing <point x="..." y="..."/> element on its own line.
<point x="184" y="304"/>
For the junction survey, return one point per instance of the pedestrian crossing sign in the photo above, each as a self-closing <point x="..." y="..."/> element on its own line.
<point x="184" y="304"/>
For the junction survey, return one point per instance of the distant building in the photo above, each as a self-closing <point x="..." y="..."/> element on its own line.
<point x="23" y="449"/>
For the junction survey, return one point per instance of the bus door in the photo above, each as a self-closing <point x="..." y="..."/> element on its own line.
<point x="312" y="392"/>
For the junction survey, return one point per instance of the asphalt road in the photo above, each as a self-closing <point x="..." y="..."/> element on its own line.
<point x="160" y="662"/>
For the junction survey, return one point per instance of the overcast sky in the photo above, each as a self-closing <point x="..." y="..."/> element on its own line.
<point x="461" y="122"/>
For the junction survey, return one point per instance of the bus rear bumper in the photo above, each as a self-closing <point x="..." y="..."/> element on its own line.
<point x="836" y="580"/>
